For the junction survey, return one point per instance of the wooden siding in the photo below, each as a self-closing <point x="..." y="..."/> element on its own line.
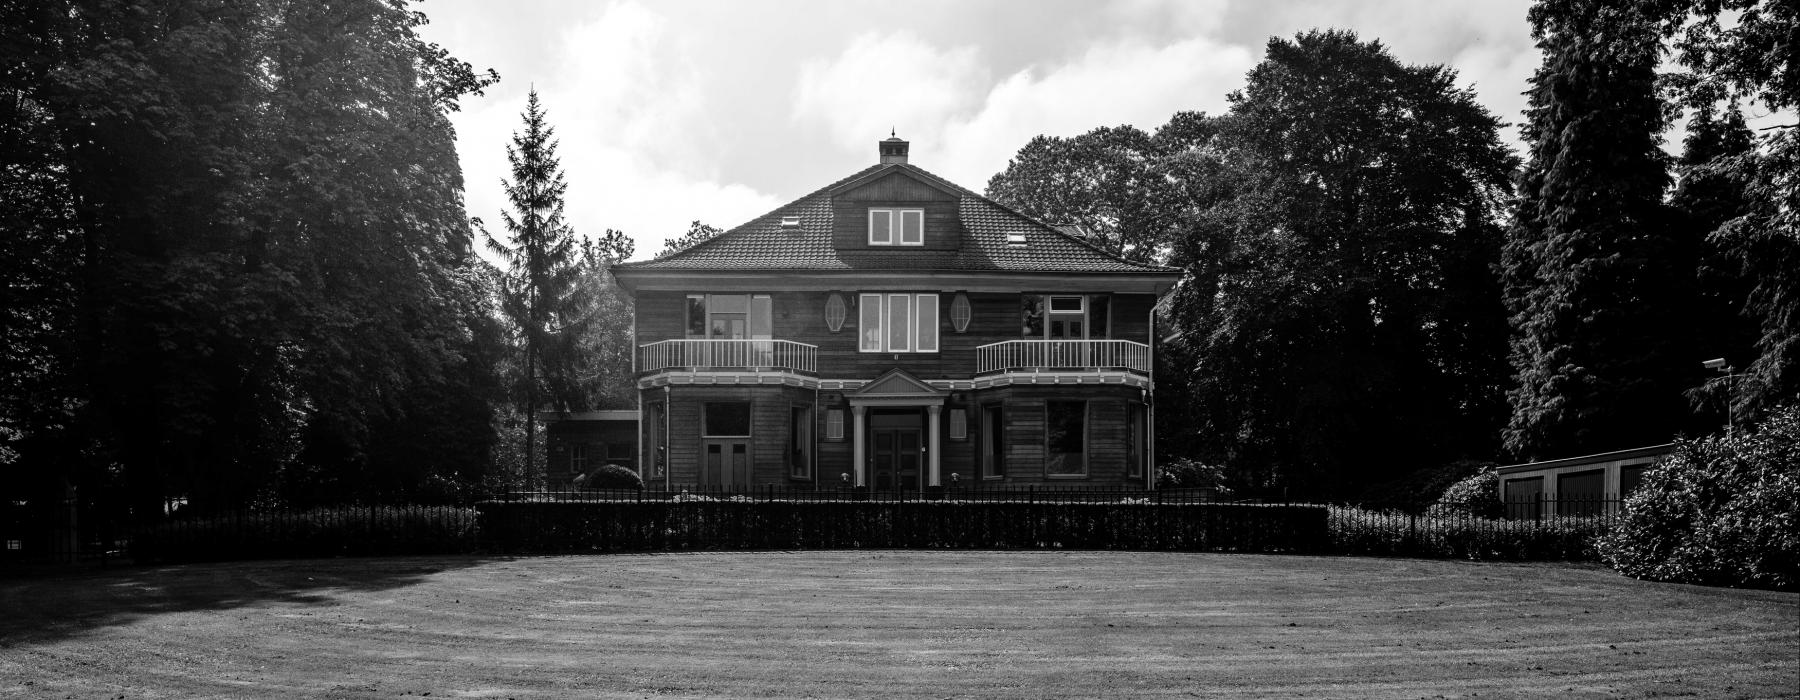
<point x="800" y="317"/>
<point x="768" y="428"/>
<point x="850" y="218"/>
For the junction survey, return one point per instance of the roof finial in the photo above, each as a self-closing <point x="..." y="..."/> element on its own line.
<point x="891" y="133"/>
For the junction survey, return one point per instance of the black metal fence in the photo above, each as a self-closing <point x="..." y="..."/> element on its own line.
<point x="708" y="517"/>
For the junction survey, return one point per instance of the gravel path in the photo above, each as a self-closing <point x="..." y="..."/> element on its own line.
<point x="889" y="624"/>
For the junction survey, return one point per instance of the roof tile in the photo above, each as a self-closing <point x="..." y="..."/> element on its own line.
<point x="763" y="244"/>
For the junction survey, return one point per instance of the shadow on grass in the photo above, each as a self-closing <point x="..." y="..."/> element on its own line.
<point x="61" y="605"/>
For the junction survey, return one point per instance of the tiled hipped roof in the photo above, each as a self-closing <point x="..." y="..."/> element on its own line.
<point x="762" y="243"/>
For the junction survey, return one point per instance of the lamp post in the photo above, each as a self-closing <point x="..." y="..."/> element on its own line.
<point x="1719" y="364"/>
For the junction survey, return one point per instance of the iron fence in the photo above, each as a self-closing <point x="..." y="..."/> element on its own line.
<point x="807" y="516"/>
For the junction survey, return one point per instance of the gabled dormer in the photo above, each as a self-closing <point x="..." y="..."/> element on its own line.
<point x="896" y="207"/>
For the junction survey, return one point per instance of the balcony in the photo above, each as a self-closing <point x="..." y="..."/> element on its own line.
<point x="728" y="355"/>
<point x="1063" y="356"/>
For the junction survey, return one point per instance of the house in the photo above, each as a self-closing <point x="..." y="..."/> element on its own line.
<point x="894" y="331"/>
<point x="1577" y="485"/>
<point x="577" y="442"/>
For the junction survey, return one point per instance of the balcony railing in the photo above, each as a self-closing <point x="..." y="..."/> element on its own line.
<point x="750" y="355"/>
<point x="1067" y="355"/>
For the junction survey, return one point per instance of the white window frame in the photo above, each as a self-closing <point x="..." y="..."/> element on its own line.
<point x="876" y="336"/>
<point x="896" y="218"/>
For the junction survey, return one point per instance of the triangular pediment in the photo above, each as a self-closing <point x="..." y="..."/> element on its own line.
<point x="897" y="383"/>
<point x="897" y="184"/>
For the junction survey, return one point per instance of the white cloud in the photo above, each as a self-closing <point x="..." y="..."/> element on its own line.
<point x="635" y="134"/>
<point x="1110" y="84"/>
<point x="966" y="128"/>
<point x="887" y="81"/>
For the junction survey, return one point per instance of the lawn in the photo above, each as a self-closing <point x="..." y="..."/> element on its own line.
<point x="888" y="624"/>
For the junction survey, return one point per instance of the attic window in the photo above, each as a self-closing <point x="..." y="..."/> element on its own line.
<point x="790" y="222"/>
<point x="1015" y="238"/>
<point x="896" y="227"/>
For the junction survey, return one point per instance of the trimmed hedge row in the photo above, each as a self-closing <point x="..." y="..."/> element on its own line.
<point x="1360" y="532"/>
<point x="317" y="532"/>
<point x="567" y="527"/>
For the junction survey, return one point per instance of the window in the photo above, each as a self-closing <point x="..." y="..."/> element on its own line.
<point x="834" y="424"/>
<point x="959" y="424"/>
<point x="730" y="419"/>
<point x="578" y="458"/>
<point x="1066" y="317"/>
<point x="1065" y="438"/>
<point x="898" y="322"/>
<point x="729" y="316"/>
<point x="897" y="227"/>
<point x="993" y="443"/>
<point x="800" y="442"/>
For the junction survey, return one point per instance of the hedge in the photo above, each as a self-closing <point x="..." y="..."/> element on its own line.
<point x="573" y="526"/>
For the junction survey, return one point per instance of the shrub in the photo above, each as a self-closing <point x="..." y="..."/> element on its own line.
<point x="314" y="532"/>
<point x="1188" y="473"/>
<point x="1456" y="535"/>
<point x="610" y="476"/>
<point x="1478" y="496"/>
<point x="1719" y="511"/>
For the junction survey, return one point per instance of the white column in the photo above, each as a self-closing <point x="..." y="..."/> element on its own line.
<point x="931" y="446"/>
<point x="857" y="462"/>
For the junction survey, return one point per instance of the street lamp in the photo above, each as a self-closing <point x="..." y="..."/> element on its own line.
<point x="1718" y="364"/>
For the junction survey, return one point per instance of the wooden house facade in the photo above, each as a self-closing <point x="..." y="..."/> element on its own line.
<point x="894" y="331"/>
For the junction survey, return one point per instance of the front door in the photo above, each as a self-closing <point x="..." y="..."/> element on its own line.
<point x="896" y="460"/>
<point x="725" y="463"/>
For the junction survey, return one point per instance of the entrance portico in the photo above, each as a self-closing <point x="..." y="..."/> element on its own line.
<point x="884" y="414"/>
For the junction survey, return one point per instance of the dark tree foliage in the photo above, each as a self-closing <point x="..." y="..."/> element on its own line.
<point x="604" y="351"/>
<point x="1341" y="315"/>
<point x="1105" y="184"/>
<point x="1736" y="51"/>
<point x="696" y="234"/>
<point x="258" y="219"/>
<point x="540" y="290"/>
<point x="1706" y="199"/>
<point x="1599" y="279"/>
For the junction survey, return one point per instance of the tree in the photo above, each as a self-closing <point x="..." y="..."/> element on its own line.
<point x="696" y="234"/>
<point x="1754" y="59"/>
<point x="540" y="293"/>
<point x="1339" y="311"/>
<point x="270" y="282"/>
<point x="604" y="350"/>
<point x="1597" y="280"/>
<point x="1106" y="183"/>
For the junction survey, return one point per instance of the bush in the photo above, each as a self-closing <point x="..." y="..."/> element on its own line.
<point x="1478" y="496"/>
<point x="1188" y="473"/>
<point x="1719" y="511"/>
<point x="1458" y="535"/>
<point x="314" y="532"/>
<point x="610" y="476"/>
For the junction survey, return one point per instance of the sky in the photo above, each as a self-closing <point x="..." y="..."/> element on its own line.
<point x="673" y="111"/>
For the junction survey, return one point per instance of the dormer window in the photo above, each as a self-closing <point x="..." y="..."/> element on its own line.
<point x="897" y="227"/>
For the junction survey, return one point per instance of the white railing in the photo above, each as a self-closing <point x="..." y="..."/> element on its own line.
<point x="1033" y="355"/>
<point x="728" y="354"/>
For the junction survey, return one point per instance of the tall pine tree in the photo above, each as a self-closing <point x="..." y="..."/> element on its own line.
<point x="1597" y="281"/>
<point x="540" y="293"/>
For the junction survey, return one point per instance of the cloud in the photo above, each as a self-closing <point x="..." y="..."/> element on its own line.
<point x="965" y="126"/>
<point x="634" y="130"/>
<point x="1110" y="84"/>
<point x="881" y="82"/>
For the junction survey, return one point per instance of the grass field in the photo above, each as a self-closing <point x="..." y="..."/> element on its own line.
<point x="889" y="624"/>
